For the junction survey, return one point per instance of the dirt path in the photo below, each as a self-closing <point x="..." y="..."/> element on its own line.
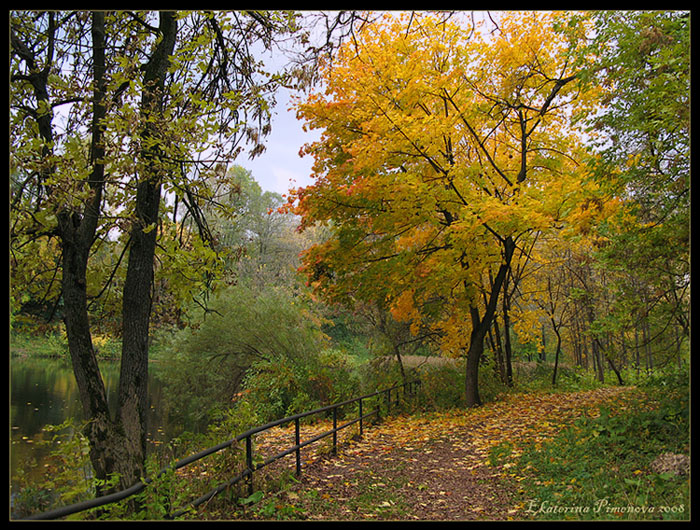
<point x="433" y="479"/>
<point x="433" y="466"/>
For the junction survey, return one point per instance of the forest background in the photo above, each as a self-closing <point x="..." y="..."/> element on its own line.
<point x="542" y="214"/>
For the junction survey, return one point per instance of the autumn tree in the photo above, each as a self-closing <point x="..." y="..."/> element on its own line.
<point x="544" y="294"/>
<point x="111" y="112"/>
<point x="641" y="132"/>
<point x="445" y="148"/>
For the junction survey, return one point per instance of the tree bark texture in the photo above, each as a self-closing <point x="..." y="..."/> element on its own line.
<point x="76" y="231"/>
<point x="138" y="284"/>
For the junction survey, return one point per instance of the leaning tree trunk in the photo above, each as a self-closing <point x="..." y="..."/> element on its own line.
<point x="91" y="388"/>
<point x="558" y="350"/>
<point x="77" y="234"/>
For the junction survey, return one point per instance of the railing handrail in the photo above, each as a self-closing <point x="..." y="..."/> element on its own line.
<point x="141" y="484"/>
<point x="275" y="423"/>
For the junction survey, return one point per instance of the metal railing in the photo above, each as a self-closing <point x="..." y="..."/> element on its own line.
<point x="409" y="389"/>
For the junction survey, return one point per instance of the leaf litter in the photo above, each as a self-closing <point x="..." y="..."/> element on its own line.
<point x="432" y="465"/>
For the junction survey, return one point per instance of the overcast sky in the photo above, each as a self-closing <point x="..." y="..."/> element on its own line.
<point x="280" y="167"/>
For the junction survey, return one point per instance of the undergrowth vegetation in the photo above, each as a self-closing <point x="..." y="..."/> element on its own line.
<point x="602" y="466"/>
<point x="599" y="467"/>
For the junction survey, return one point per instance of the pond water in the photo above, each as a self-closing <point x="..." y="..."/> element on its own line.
<point x="44" y="392"/>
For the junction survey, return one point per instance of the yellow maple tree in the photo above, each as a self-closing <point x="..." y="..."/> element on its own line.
<point x="443" y="150"/>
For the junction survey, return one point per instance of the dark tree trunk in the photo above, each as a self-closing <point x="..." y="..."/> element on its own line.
<point x="497" y="348"/>
<point x="620" y="381"/>
<point x="399" y="360"/>
<point x="77" y="236"/>
<point x="506" y="335"/>
<point x="481" y="325"/>
<point x="476" y="348"/>
<point x="558" y="350"/>
<point x="138" y="284"/>
<point x="91" y="389"/>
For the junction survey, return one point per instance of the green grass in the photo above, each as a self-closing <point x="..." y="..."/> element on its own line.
<point x="54" y="345"/>
<point x="51" y="345"/>
<point x="599" y="468"/>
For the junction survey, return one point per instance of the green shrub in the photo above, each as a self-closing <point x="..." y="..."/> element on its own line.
<point x="268" y="334"/>
<point x="490" y="384"/>
<point x="442" y="386"/>
<point x="286" y="387"/>
<point x="52" y="345"/>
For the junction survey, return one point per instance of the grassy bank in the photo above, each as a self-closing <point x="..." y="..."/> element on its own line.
<point x="629" y="462"/>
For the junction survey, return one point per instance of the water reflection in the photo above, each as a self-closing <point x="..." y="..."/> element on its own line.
<point x="44" y="392"/>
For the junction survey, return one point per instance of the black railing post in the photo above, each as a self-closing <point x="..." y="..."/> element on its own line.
<point x="249" y="462"/>
<point x="360" y="417"/>
<point x="335" y="430"/>
<point x="296" y="442"/>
